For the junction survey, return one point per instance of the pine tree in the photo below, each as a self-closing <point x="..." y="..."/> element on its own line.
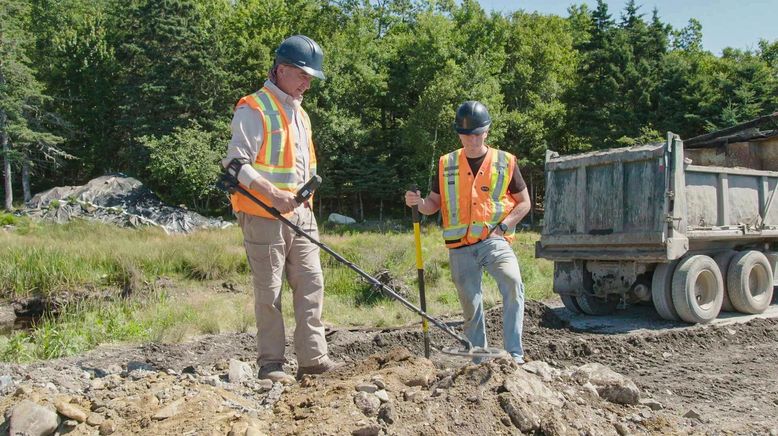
<point x="172" y="72"/>
<point x="24" y="121"/>
<point x="75" y="62"/>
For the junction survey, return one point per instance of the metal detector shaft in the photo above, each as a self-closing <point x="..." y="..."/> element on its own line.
<point x="372" y="280"/>
<point x="420" y="271"/>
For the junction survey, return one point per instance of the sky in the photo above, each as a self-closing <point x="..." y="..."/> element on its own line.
<point x="725" y="23"/>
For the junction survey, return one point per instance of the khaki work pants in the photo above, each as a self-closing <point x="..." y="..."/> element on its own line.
<point x="274" y="251"/>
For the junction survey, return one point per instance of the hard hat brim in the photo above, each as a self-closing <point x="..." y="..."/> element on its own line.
<point x="475" y="131"/>
<point x="313" y="72"/>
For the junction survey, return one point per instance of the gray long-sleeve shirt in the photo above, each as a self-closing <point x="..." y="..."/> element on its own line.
<point x="248" y="131"/>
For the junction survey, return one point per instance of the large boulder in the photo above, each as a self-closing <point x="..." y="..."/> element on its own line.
<point x="116" y="199"/>
<point x="341" y="219"/>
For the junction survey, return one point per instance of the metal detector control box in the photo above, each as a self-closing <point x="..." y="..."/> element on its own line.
<point x="308" y="188"/>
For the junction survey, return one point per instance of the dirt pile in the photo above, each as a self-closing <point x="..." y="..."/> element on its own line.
<point x="387" y="393"/>
<point x="692" y="380"/>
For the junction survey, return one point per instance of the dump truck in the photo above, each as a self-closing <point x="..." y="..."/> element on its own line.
<point x="692" y="229"/>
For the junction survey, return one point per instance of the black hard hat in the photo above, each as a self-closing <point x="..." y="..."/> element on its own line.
<point x="303" y="53"/>
<point x="472" y="118"/>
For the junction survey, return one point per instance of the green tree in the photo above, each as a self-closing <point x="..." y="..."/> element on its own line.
<point x="75" y="62"/>
<point x="172" y="71"/>
<point x="24" y="121"/>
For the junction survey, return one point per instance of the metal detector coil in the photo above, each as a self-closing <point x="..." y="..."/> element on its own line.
<point x="475" y="352"/>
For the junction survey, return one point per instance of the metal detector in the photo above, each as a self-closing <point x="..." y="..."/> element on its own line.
<point x="230" y="183"/>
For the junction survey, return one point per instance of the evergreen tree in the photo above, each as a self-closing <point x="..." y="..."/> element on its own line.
<point x="75" y="61"/>
<point x="171" y="71"/>
<point x="24" y="121"/>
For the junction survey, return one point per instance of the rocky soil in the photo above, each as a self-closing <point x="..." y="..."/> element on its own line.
<point x="695" y="380"/>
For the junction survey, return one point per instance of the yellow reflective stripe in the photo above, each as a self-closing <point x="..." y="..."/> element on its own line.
<point x="279" y="178"/>
<point x="273" y="169"/>
<point x="476" y="230"/>
<point x="273" y="153"/>
<point x="454" y="233"/>
<point x="265" y="131"/>
<point x="499" y="183"/>
<point x="450" y="171"/>
<point x="311" y="149"/>
<point x="283" y="130"/>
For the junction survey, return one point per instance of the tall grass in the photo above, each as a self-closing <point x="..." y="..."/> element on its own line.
<point x="346" y="302"/>
<point x="43" y="258"/>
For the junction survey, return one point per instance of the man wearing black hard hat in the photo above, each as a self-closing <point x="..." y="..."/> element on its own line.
<point x="482" y="196"/>
<point x="272" y="154"/>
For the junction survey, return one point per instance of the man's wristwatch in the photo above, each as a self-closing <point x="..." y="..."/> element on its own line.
<point x="503" y="227"/>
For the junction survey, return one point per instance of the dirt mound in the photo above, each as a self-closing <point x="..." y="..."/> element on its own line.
<point x="689" y="380"/>
<point x="387" y="393"/>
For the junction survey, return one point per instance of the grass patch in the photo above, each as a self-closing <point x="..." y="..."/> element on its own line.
<point x="7" y="219"/>
<point x="46" y="258"/>
<point x="41" y="258"/>
<point x="78" y="329"/>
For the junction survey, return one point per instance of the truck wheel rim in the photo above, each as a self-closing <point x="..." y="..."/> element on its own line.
<point x="757" y="281"/>
<point x="705" y="289"/>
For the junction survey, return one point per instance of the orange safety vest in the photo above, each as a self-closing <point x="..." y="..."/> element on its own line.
<point x="276" y="158"/>
<point x="472" y="205"/>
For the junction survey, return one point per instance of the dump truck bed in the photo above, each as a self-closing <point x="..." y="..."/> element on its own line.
<point x="650" y="203"/>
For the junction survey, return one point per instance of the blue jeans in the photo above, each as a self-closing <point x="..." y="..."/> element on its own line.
<point x="498" y="259"/>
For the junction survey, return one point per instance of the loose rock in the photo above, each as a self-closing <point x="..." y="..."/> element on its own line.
<point x="168" y="411"/>
<point x="28" y="418"/>
<point x="366" y="387"/>
<point x="382" y="395"/>
<point x="239" y="371"/>
<point x="66" y="409"/>
<point x="94" y="419"/>
<point x="367" y="403"/>
<point x="368" y="430"/>
<point x="521" y="416"/>
<point x="611" y="385"/>
<point x="107" y="427"/>
<point x="386" y="413"/>
<point x="652" y="404"/>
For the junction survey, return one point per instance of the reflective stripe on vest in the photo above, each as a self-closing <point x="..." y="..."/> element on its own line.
<point x="275" y="161"/>
<point x="465" y="223"/>
<point x="276" y="157"/>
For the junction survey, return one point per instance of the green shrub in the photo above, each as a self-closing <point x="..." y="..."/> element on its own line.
<point x="7" y="219"/>
<point x="184" y="166"/>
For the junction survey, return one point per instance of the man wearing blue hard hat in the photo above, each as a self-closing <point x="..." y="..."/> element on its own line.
<point x="272" y="154"/>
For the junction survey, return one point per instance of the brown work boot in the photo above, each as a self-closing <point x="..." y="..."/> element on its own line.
<point x="275" y="372"/>
<point x="326" y="365"/>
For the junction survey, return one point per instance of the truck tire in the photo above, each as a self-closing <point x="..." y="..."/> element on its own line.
<point x="662" y="291"/>
<point x="597" y="306"/>
<point x="750" y="282"/>
<point x="571" y="304"/>
<point x="723" y="260"/>
<point x="697" y="289"/>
